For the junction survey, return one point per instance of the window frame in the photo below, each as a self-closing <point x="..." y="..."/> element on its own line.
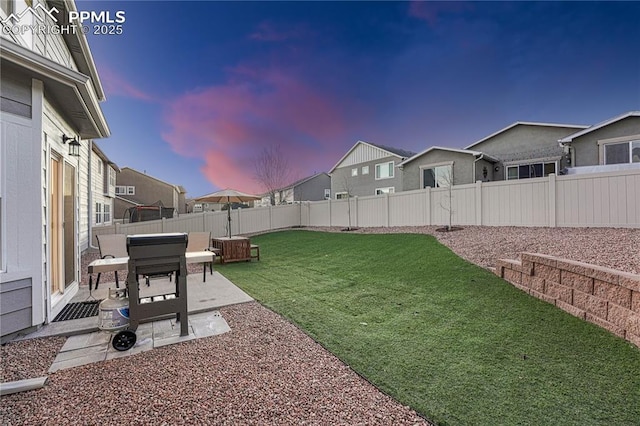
<point x="106" y="213"/>
<point x="391" y="169"/>
<point x="354" y="172"/>
<point x="327" y="193"/>
<point x="381" y="191"/>
<point x="365" y="170"/>
<point x="98" y="213"/>
<point x="342" y="193"/>
<point x="518" y="167"/>
<point x="435" y="166"/>
<point x="630" y="140"/>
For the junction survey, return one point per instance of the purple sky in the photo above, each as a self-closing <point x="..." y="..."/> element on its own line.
<point x="195" y="90"/>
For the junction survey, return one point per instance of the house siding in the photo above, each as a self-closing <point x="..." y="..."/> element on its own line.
<point x="363" y="185"/>
<point x="313" y="189"/>
<point x="462" y="168"/>
<point x="148" y="190"/>
<point x="15" y="306"/>
<point x="586" y="149"/>
<point x="525" y="143"/>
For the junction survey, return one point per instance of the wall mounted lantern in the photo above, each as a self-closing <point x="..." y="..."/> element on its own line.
<point x="485" y="172"/>
<point x="74" y="145"/>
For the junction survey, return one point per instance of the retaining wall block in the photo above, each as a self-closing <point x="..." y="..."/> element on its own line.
<point x="591" y="304"/>
<point x="542" y="296"/>
<point x="527" y="267"/>
<point x="558" y="291"/>
<point x="576" y="312"/>
<point x="547" y="272"/>
<point x="605" y="274"/>
<point x="575" y="267"/>
<point x="513" y="276"/>
<point x="635" y="302"/>
<point x="613" y="293"/>
<point x="537" y="284"/>
<point x="618" y="315"/>
<point x="577" y="281"/>
<point x="542" y="259"/>
<point x="618" y="331"/>
<point x="630" y="281"/>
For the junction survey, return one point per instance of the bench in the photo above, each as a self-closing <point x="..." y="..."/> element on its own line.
<point x="99" y="266"/>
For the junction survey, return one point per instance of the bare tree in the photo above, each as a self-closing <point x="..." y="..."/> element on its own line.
<point x="446" y="180"/>
<point x="272" y="170"/>
<point x="346" y="187"/>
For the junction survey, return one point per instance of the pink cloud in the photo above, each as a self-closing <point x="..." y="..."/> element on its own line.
<point x="115" y="85"/>
<point x="228" y="125"/>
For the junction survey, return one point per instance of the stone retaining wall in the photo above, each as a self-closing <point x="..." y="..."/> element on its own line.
<point x="605" y="297"/>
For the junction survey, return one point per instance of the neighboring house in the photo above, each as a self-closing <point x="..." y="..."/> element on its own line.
<point x="134" y="188"/>
<point x="49" y="113"/>
<point x="312" y="188"/>
<point x="525" y="150"/>
<point x="439" y="166"/>
<point x="368" y="169"/>
<point x="613" y="142"/>
<point x="103" y="187"/>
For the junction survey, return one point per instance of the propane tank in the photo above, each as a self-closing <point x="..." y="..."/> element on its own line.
<point x="114" y="311"/>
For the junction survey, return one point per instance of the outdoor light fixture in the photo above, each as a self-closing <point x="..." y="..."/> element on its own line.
<point x="74" y="145"/>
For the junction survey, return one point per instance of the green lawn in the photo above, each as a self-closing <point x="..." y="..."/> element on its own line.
<point x="450" y="339"/>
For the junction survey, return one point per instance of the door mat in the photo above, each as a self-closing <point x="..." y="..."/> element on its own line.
<point x="79" y="310"/>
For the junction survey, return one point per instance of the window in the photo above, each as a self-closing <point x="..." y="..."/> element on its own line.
<point x="354" y="172"/>
<point x="121" y="190"/>
<point x="389" y="190"/>
<point x="7" y="7"/>
<point x="622" y="152"/>
<point x="437" y="176"/>
<point x="342" y="195"/>
<point x="112" y="177"/>
<point x="98" y="213"/>
<point x="327" y="193"/>
<point x="533" y="170"/>
<point x="107" y="213"/>
<point x="384" y="170"/>
<point x="365" y="170"/>
<point x="131" y="190"/>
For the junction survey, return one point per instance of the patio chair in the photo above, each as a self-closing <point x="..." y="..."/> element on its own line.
<point x="112" y="246"/>
<point x="200" y="241"/>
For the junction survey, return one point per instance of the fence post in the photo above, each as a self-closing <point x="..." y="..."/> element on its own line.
<point x="428" y="206"/>
<point x="478" y="202"/>
<point x="238" y="221"/>
<point x="386" y="203"/>
<point x="552" y="200"/>
<point x="204" y="221"/>
<point x="357" y="221"/>
<point x="162" y="225"/>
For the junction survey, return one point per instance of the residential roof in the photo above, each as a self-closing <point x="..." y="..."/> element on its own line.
<point x="442" y="148"/>
<point x="599" y="126"/>
<point x="296" y="183"/>
<point x="104" y="157"/>
<point x="526" y="123"/>
<point x="401" y="153"/>
<point x="176" y="187"/>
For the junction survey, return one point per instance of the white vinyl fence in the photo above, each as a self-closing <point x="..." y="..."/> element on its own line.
<point x="595" y="200"/>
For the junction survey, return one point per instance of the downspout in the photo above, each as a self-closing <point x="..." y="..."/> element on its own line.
<point x="90" y="198"/>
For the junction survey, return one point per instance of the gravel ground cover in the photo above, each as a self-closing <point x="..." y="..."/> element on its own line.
<point x="265" y="371"/>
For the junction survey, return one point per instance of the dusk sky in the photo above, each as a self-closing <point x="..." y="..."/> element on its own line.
<point x="195" y="90"/>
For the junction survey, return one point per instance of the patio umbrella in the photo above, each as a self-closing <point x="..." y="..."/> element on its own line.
<point x="227" y="196"/>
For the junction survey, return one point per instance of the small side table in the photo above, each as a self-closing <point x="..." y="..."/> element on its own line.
<point x="233" y="249"/>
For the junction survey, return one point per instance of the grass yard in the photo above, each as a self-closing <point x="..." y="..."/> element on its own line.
<point x="453" y="341"/>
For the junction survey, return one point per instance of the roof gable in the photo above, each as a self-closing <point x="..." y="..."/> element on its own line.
<point x="363" y="152"/>
<point x="599" y="126"/>
<point x="441" y="148"/>
<point x="524" y="123"/>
